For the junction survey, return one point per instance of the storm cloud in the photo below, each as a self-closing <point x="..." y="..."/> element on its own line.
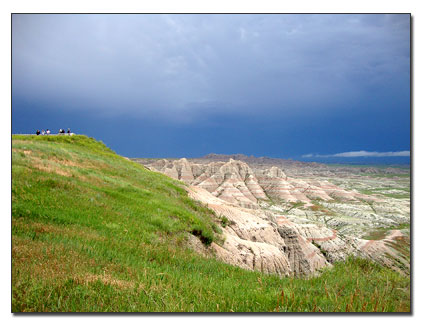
<point x="188" y="85"/>
<point x="185" y="67"/>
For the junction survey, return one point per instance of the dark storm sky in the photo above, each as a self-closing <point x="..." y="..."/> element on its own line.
<point x="188" y="85"/>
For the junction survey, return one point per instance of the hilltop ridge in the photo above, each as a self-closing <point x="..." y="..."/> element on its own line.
<point x="93" y="231"/>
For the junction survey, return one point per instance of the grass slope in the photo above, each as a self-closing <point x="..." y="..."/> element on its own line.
<point x="92" y="231"/>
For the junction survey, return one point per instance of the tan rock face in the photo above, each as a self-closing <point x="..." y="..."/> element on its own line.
<point x="254" y="240"/>
<point x="383" y="252"/>
<point x="232" y="181"/>
<point x="235" y="182"/>
<point x="258" y="238"/>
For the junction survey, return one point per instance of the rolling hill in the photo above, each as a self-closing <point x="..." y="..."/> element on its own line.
<point x="93" y="231"/>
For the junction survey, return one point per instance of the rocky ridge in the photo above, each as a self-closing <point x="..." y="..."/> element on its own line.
<point x="235" y="182"/>
<point x="274" y="226"/>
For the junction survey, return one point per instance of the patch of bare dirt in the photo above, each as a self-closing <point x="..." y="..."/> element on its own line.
<point x="105" y="279"/>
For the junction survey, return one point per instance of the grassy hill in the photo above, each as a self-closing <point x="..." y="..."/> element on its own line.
<point x="93" y="231"/>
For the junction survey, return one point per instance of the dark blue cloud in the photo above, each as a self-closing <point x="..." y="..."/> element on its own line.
<point x="260" y="84"/>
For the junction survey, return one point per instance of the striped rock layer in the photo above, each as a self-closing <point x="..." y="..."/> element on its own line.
<point x="255" y="241"/>
<point x="235" y="182"/>
<point x="259" y="240"/>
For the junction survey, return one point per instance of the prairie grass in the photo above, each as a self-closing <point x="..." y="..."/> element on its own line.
<point x="380" y="233"/>
<point x="95" y="232"/>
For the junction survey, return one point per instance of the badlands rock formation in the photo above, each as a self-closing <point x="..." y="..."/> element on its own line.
<point x="284" y="225"/>
<point x="235" y="182"/>
<point x="258" y="241"/>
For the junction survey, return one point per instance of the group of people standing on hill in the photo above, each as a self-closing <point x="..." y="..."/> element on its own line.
<point x="62" y="131"/>
<point x="47" y="132"/>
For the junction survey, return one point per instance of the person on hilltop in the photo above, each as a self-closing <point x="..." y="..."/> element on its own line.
<point x="69" y="131"/>
<point x="43" y="132"/>
<point x="37" y="132"/>
<point x="48" y="131"/>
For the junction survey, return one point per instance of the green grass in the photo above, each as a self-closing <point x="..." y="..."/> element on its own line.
<point x="401" y="166"/>
<point x="398" y="196"/>
<point x="381" y="233"/>
<point x="318" y="207"/>
<point x="94" y="232"/>
<point x="379" y="191"/>
<point x="386" y="175"/>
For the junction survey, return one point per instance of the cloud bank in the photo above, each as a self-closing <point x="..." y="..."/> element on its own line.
<point x="362" y="153"/>
<point x="179" y="66"/>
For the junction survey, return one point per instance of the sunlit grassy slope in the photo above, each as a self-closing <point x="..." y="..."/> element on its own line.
<point x="92" y="231"/>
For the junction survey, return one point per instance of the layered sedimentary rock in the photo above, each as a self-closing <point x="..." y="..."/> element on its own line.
<point x="269" y="232"/>
<point x="232" y="181"/>
<point x="235" y="182"/>
<point x="255" y="240"/>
